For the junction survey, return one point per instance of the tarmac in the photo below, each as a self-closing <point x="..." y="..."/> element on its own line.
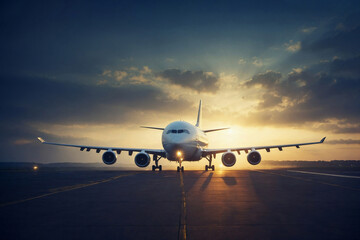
<point x="235" y="204"/>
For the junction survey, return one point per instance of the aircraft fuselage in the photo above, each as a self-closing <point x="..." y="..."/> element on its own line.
<point x="183" y="141"/>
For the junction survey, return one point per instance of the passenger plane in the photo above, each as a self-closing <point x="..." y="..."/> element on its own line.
<point x="181" y="142"/>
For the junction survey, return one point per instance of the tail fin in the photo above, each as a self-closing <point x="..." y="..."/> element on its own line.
<point x="199" y="116"/>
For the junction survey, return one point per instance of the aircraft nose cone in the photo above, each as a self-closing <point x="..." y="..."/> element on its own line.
<point x="174" y="146"/>
<point x="177" y="141"/>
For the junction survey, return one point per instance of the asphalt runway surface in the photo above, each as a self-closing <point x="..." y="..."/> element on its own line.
<point x="244" y="204"/>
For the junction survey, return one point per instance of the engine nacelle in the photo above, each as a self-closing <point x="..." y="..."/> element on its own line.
<point x="254" y="157"/>
<point x="228" y="159"/>
<point x="109" y="157"/>
<point x="142" y="159"/>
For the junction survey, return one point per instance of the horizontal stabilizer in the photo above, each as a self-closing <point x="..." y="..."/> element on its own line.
<point x="213" y="130"/>
<point x="156" y="128"/>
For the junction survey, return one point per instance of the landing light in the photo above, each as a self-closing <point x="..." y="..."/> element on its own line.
<point x="179" y="153"/>
<point x="35" y="168"/>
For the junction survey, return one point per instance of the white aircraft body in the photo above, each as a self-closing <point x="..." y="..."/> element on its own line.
<point x="181" y="142"/>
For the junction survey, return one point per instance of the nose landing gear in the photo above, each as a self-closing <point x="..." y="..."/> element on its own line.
<point x="180" y="169"/>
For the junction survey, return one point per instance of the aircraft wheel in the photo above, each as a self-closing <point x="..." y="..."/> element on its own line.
<point x="160" y="168"/>
<point x="182" y="168"/>
<point x="178" y="169"/>
<point x="206" y="167"/>
<point x="213" y="167"/>
<point x="153" y="167"/>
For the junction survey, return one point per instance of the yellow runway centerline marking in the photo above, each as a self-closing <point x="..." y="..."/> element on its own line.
<point x="64" y="189"/>
<point x="182" y="221"/>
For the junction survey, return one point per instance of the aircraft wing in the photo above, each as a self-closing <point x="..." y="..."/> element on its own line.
<point x="159" y="152"/>
<point x="267" y="148"/>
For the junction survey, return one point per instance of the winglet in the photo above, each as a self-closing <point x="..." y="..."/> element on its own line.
<point x="322" y="140"/>
<point x="41" y="140"/>
<point x="199" y="116"/>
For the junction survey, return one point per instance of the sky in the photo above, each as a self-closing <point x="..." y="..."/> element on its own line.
<point x="91" y="72"/>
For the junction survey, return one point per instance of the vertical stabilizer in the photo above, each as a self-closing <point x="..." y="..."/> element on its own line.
<point x="199" y="116"/>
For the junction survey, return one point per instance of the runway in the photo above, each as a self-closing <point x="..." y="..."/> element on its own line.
<point x="243" y="204"/>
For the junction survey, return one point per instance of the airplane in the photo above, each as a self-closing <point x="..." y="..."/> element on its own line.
<point x="182" y="141"/>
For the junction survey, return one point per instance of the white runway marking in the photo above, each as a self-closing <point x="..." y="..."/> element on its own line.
<point x="65" y="189"/>
<point x="325" y="174"/>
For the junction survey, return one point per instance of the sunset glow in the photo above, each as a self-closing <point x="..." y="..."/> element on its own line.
<point x="271" y="81"/>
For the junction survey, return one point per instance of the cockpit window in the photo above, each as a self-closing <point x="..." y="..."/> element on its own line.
<point x="178" y="131"/>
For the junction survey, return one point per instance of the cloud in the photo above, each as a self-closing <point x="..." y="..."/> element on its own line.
<point x="346" y="67"/>
<point x="197" y="80"/>
<point x="119" y="75"/>
<point x="343" y="141"/>
<point x="139" y="79"/>
<point x="326" y="44"/>
<point x="310" y="96"/>
<point x="338" y="127"/>
<point x="22" y="141"/>
<point x="241" y="61"/>
<point x="267" y="79"/>
<point x="170" y="60"/>
<point x="128" y="76"/>
<point x="337" y="42"/>
<point x="269" y="100"/>
<point x="146" y="70"/>
<point x="102" y="82"/>
<point x="107" y="73"/>
<point x="308" y="30"/>
<point x="40" y="99"/>
<point x="30" y="102"/>
<point x="257" y="62"/>
<point x="292" y="46"/>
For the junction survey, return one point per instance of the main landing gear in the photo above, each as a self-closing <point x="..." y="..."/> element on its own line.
<point x="156" y="166"/>
<point x="207" y="167"/>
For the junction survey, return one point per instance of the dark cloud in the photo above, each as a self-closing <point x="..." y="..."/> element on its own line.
<point x="341" y="42"/>
<point x="343" y="141"/>
<point x="34" y="99"/>
<point x="340" y="128"/>
<point x="309" y="97"/>
<point x="326" y="92"/>
<point x="267" y="79"/>
<point x="196" y="80"/>
<point x="27" y="102"/>
<point x="336" y="39"/>
<point x="269" y="100"/>
<point x="346" y="67"/>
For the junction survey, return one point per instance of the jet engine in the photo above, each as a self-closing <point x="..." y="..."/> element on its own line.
<point x="228" y="159"/>
<point x="254" y="157"/>
<point x="142" y="159"/>
<point x="109" y="157"/>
